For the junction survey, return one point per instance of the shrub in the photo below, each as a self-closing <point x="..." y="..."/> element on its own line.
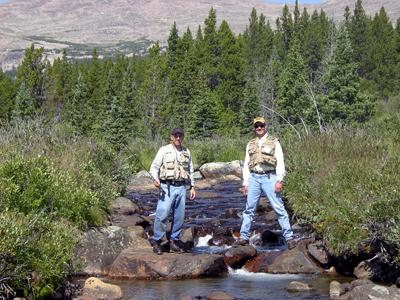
<point x="34" y="185"/>
<point x="35" y="251"/>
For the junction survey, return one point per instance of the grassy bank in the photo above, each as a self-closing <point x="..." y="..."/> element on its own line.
<point x="345" y="182"/>
<point x="53" y="185"/>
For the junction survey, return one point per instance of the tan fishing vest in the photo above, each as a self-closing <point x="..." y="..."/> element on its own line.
<point x="264" y="155"/>
<point x="175" y="166"/>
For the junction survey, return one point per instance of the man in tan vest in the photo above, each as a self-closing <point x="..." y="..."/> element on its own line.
<point x="263" y="171"/>
<point x="172" y="171"/>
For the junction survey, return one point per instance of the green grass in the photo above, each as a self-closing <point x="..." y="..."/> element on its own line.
<point x="345" y="183"/>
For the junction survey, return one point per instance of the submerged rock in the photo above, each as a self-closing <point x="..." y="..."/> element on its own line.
<point x="95" y="289"/>
<point x="297" y="286"/>
<point x="219" y="295"/>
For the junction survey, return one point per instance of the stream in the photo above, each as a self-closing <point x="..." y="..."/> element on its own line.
<point x="208" y="211"/>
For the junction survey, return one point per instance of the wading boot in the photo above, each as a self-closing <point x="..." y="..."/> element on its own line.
<point x="174" y="247"/>
<point x="291" y="244"/>
<point x="157" y="248"/>
<point x="240" y="242"/>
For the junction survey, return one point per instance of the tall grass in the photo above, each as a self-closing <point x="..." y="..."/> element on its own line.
<point x="345" y="182"/>
<point x="52" y="183"/>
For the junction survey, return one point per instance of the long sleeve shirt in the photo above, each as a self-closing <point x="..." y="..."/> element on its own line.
<point x="280" y="164"/>
<point x="158" y="160"/>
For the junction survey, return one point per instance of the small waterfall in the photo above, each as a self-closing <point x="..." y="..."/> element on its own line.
<point x="244" y="274"/>
<point x="203" y="241"/>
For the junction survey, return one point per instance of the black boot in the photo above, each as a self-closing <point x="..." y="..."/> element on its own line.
<point x="157" y="247"/>
<point x="174" y="247"/>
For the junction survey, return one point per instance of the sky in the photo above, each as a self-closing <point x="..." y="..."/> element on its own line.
<point x="273" y="1"/>
<point x="292" y="1"/>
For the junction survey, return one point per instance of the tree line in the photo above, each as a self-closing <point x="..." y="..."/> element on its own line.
<point x="304" y="72"/>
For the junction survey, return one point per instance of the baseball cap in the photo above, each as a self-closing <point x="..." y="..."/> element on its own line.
<point x="259" y="120"/>
<point x="177" y="131"/>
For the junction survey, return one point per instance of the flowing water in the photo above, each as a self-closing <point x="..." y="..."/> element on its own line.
<point x="207" y="212"/>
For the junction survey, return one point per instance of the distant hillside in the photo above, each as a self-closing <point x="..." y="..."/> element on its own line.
<point x="129" y="25"/>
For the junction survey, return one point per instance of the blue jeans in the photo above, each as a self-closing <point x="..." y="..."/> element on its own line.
<point x="171" y="197"/>
<point x="264" y="183"/>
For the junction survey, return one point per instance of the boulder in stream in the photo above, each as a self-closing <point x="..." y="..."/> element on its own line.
<point x="144" y="264"/>
<point x="220" y="169"/>
<point x="236" y="257"/>
<point x="101" y="246"/>
<point x="294" y="261"/>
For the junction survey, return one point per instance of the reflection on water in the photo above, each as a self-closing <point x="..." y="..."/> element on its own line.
<point x="240" y="284"/>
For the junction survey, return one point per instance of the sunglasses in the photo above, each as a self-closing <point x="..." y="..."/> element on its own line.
<point x="259" y="126"/>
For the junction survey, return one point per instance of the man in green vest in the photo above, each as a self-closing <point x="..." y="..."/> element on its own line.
<point x="263" y="171"/>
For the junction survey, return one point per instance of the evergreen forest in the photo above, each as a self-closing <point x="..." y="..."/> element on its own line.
<point x="330" y="91"/>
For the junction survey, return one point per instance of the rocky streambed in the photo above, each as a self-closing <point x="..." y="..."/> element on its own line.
<point x="118" y="262"/>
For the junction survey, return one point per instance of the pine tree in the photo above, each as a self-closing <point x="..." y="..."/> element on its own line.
<point x="24" y="107"/>
<point x="267" y="86"/>
<point x="7" y="94"/>
<point x="211" y="49"/>
<point x="95" y="83"/>
<point x="153" y="94"/>
<point x="78" y="107"/>
<point x="203" y="115"/>
<point x="31" y="72"/>
<point x="172" y="46"/>
<point x="286" y="27"/>
<point x="293" y="102"/>
<point x="116" y="129"/>
<point x="257" y="43"/>
<point x="229" y="69"/>
<point x="344" y="101"/>
<point x="250" y="108"/>
<point x="383" y="53"/>
<point x="359" y="32"/>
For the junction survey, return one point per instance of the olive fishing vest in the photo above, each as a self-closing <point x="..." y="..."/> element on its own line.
<point x="264" y="155"/>
<point x="175" y="165"/>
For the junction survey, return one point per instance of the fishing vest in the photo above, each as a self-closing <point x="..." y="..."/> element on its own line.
<point x="264" y="155"/>
<point x="175" y="166"/>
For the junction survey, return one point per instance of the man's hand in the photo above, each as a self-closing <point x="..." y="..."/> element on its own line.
<point x="278" y="186"/>
<point x="156" y="183"/>
<point x="245" y="190"/>
<point x="192" y="193"/>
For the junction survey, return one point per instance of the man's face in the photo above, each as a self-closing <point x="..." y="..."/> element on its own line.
<point x="260" y="129"/>
<point x="177" y="139"/>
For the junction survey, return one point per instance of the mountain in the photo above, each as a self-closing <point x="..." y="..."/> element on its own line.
<point x="130" y="26"/>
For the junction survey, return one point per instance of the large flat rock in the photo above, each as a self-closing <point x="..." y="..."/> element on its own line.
<point x="144" y="264"/>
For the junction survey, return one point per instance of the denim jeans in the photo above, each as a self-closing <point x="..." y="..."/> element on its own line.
<point x="264" y="183"/>
<point x="171" y="198"/>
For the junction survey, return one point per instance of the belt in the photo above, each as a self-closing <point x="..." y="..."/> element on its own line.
<point x="263" y="172"/>
<point x="174" y="182"/>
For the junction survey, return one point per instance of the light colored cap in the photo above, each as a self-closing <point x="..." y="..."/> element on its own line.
<point x="259" y="120"/>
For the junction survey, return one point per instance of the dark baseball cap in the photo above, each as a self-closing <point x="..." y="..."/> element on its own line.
<point x="177" y="131"/>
